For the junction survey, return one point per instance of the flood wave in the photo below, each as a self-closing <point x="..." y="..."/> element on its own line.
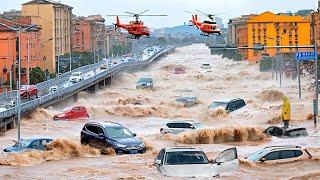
<point x="270" y="95"/>
<point x="137" y="111"/>
<point x="222" y="135"/>
<point x="56" y="150"/>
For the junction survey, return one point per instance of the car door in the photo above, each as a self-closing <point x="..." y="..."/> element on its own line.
<point x="227" y="161"/>
<point x="92" y="134"/>
<point x="74" y="113"/>
<point x="289" y="155"/>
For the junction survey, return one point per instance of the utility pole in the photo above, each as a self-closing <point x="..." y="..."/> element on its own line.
<point x="18" y="87"/>
<point x="28" y="69"/>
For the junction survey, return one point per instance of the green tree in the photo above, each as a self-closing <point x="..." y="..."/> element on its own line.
<point x="37" y="75"/>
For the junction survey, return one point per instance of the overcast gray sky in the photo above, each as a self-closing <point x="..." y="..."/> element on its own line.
<point x="174" y="8"/>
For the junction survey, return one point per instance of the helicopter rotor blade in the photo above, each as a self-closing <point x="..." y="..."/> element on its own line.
<point x="119" y="15"/>
<point x="202" y="12"/>
<point x="129" y="12"/>
<point x="144" y="11"/>
<point x="154" y="15"/>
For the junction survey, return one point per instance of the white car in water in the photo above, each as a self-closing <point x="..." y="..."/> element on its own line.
<point x="279" y="154"/>
<point x="206" y="67"/>
<point x="76" y="77"/>
<point x="192" y="162"/>
<point x="179" y="126"/>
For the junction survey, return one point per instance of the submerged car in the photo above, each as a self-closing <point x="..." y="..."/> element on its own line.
<point x="187" y="101"/>
<point x="229" y="106"/>
<point x="192" y="162"/>
<point x="111" y="135"/>
<point x="72" y="113"/>
<point x="176" y="127"/>
<point x="37" y="143"/>
<point x="279" y="154"/>
<point x="103" y="66"/>
<point x="206" y="67"/>
<point x="144" y="83"/>
<point x="27" y="91"/>
<point x="76" y="77"/>
<point x="286" y="133"/>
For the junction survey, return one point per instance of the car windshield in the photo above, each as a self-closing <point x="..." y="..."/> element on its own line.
<point x="67" y="109"/>
<point x="145" y="80"/>
<point x="23" y="143"/>
<point x="198" y="125"/>
<point x="186" y="157"/>
<point x="255" y="155"/>
<point x="217" y="104"/>
<point x="118" y="132"/>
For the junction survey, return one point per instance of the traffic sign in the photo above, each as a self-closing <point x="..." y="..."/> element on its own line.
<point x="306" y="56"/>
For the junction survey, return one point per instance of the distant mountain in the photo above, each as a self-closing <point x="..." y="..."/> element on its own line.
<point x="183" y="29"/>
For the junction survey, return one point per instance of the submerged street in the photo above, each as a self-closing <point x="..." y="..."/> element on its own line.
<point x="145" y="111"/>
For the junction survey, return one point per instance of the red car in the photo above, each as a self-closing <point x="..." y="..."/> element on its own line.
<point x="27" y="91"/>
<point x="72" y="113"/>
<point x="179" y="71"/>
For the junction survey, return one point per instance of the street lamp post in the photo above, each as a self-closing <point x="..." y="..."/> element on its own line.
<point x="19" y="30"/>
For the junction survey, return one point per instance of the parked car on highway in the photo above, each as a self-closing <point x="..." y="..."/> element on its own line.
<point x="229" y="106"/>
<point x="179" y="71"/>
<point x="291" y="132"/>
<point x="103" y="135"/>
<point x="187" y="162"/>
<point x="27" y="91"/>
<point x="36" y="143"/>
<point x="114" y="62"/>
<point x="279" y="154"/>
<point x="53" y="89"/>
<point x="10" y="104"/>
<point x="179" y="126"/>
<point x="76" y="77"/>
<point x="72" y="113"/>
<point x="144" y="83"/>
<point x="103" y="66"/>
<point x="206" y="67"/>
<point x="187" y="101"/>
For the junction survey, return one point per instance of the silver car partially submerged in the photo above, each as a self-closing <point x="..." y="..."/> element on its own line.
<point x="193" y="162"/>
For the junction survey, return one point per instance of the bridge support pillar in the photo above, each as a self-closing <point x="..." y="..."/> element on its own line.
<point x="75" y="97"/>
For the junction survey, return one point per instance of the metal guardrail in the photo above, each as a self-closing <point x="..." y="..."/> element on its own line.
<point x="27" y="106"/>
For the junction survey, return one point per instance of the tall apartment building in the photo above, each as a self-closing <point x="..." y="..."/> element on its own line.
<point x="89" y="34"/>
<point x="238" y="33"/>
<point x="55" y="20"/>
<point x="270" y="29"/>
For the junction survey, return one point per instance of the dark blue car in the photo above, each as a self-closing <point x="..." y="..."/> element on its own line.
<point x="37" y="143"/>
<point x="108" y="134"/>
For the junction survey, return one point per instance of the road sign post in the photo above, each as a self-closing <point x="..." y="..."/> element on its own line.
<point x="306" y="56"/>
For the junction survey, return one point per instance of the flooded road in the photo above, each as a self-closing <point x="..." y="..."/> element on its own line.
<point x="145" y="111"/>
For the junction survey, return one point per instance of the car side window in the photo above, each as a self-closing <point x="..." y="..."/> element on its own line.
<point x="286" y="154"/>
<point x="240" y="103"/>
<point x="231" y="106"/>
<point x="35" y="144"/>
<point x="297" y="153"/>
<point x="272" y="156"/>
<point x="169" y="125"/>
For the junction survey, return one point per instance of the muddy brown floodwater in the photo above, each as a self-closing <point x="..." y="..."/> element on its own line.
<point x="145" y="111"/>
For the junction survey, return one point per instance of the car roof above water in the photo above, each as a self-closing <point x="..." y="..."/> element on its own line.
<point x="179" y="149"/>
<point x="105" y="124"/>
<point x="182" y="121"/>
<point x="37" y="138"/>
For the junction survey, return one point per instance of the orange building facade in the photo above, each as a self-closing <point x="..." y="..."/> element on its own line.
<point x="81" y="37"/>
<point x="9" y="52"/>
<point x="269" y="29"/>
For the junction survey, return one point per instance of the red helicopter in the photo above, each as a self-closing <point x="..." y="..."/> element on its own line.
<point x="136" y="28"/>
<point x="207" y="27"/>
